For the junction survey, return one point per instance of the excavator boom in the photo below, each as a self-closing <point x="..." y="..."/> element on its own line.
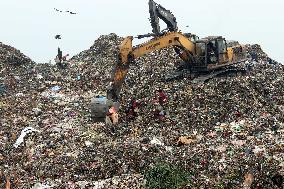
<point x="128" y="54"/>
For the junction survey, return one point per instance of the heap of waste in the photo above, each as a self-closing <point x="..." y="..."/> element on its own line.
<point x="11" y="55"/>
<point x="227" y="132"/>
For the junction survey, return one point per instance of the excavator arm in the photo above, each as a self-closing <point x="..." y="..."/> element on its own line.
<point x="158" y="12"/>
<point x="127" y="54"/>
<point x="182" y="45"/>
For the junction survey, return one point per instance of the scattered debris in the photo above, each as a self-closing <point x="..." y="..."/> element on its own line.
<point x="248" y="181"/>
<point x="185" y="140"/>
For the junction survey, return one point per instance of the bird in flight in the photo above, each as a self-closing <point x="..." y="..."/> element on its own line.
<point x="65" y="11"/>
<point x="58" y="37"/>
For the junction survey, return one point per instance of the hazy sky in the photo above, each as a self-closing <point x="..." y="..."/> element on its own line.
<point x="31" y="25"/>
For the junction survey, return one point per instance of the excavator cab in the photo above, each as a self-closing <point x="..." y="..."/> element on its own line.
<point x="211" y="52"/>
<point x="222" y="50"/>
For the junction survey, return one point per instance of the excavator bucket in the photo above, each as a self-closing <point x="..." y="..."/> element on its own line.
<point x="103" y="109"/>
<point x="101" y="105"/>
<point x="99" y="108"/>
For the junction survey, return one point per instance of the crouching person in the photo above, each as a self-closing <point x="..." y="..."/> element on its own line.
<point x="112" y="116"/>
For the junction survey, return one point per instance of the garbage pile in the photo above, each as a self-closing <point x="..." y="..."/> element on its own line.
<point x="257" y="54"/>
<point x="11" y="55"/>
<point x="227" y="132"/>
<point x="103" y="47"/>
<point x="12" y="61"/>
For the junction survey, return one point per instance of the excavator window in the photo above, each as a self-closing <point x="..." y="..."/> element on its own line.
<point x="201" y="45"/>
<point x="212" y="52"/>
<point x="202" y="51"/>
<point x="222" y="47"/>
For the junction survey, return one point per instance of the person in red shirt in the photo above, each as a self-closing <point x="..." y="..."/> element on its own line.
<point x="64" y="58"/>
<point x="160" y="100"/>
<point x="160" y="97"/>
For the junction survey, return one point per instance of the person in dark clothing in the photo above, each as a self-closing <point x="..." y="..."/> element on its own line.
<point x="211" y="53"/>
<point x="58" y="58"/>
<point x="64" y="58"/>
<point x="59" y="54"/>
<point x="254" y="56"/>
<point x="132" y="110"/>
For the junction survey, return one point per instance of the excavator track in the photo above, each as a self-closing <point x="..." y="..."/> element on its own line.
<point x="223" y="72"/>
<point x="198" y="78"/>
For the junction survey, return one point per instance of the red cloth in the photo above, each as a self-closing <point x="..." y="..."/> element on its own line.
<point x="134" y="104"/>
<point x="162" y="98"/>
<point x="64" y="58"/>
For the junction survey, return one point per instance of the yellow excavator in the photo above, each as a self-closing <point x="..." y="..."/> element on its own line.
<point x="198" y="55"/>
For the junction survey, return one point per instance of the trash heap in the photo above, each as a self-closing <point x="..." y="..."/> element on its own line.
<point x="12" y="62"/>
<point x="11" y="55"/>
<point x="257" y="54"/>
<point x="227" y="132"/>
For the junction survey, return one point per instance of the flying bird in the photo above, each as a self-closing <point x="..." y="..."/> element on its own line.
<point x="58" y="37"/>
<point x="65" y="11"/>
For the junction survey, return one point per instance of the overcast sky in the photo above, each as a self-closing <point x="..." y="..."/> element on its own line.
<point x="31" y="25"/>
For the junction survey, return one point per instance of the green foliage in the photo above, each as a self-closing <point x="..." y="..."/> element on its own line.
<point x="166" y="176"/>
<point x="219" y="185"/>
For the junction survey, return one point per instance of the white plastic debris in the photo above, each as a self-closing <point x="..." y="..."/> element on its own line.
<point x="99" y="184"/>
<point x="41" y="186"/>
<point x="55" y="88"/>
<point x="53" y="95"/>
<point x="24" y="132"/>
<point x="88" y="143"/>
<point x="156" y="141"/>
<point x="19" y="94"/>
<point x="169" y="148"/>
<point x="258" y="149"/>
<point x="39" y="76"/>
<point x="17" y="78"/>
<point x="82" y="184"/>
<point x="37" y="111"/>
